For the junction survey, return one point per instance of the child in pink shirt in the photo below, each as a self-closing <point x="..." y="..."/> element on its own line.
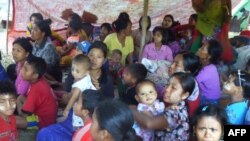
<point x="146" y="95"/>
<point x="156" y="50"/>
<point x="21" y="50"/>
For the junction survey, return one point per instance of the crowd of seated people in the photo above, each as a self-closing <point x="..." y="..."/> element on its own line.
<point x="108" y="92"/>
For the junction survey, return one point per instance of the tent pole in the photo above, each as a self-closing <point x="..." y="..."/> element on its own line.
<point x="7" y="27"/>
<point x="144" y="28"/>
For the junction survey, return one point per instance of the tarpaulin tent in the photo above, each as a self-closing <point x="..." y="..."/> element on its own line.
<point x="106" y="10"/>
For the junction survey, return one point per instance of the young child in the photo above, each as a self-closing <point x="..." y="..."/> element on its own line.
<point x="131" y="76"/>
<point x="84" y="108"/>
<point x="112" y="121"/>
<point x="156" y="50"/>
<point x="238" y="88"/>
<point x="8" y="130"/>
<point x="173" y="124"/>
<point x="115" y="65"/>
<point x="146" y="95"/>
<point x="209" y="54"/>
<point x="80" y="71"/>
<point x="81" y="48"/>
<point x="22" y="49"/>
<point x="208" y="123"/>
<point x="68" y="50"/>
<point x="40" y="107"/>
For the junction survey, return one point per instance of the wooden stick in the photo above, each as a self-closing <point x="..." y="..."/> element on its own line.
<point x="7" y="28"/>
<point x="144" y="28"/>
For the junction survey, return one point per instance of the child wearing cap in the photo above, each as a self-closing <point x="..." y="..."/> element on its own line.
<point x="82" y="47"/>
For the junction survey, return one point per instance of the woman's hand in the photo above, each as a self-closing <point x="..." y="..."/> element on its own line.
<point x="149" y="114"/>
<point x="148" y="121"/>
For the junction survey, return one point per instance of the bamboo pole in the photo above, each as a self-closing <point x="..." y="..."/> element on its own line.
<point x="7" y="28"/>
<point x="144" y="28"/>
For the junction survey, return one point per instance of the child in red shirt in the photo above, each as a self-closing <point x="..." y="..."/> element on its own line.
<point x="8" y="130"/>
<point x="40" y="107"/>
